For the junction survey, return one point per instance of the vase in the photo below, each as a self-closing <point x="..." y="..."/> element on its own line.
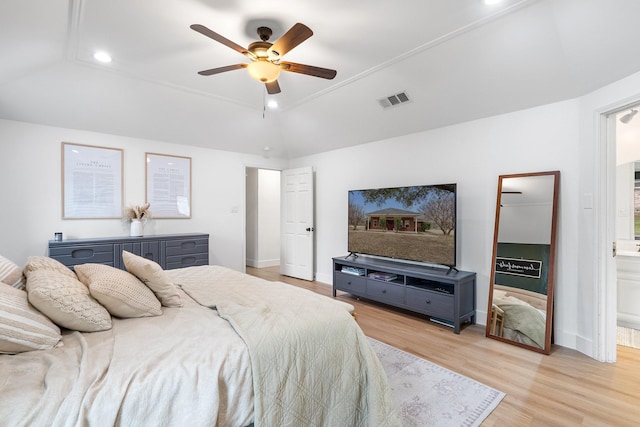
<point x="136" y="228"/>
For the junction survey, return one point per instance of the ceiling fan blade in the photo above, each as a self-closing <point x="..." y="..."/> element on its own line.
<point x="273" y="87"/>
<point x="310" y="70"/>
<point x="217" y="37"/>
<point x="292" y="38"/>
<point x="222" y="69"/>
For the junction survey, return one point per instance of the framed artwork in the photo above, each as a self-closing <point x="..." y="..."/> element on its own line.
<point x="168" y="185"/>
<point x="91" y="181"/>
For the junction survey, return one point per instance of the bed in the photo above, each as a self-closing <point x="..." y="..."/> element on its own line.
<point x="219" y="348"/>
<point x="519" y="315"/>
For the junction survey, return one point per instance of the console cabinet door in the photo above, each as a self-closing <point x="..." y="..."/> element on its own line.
<point x="350" y="283"/>
<point x="385" y="291"/>
<point x="428" y="302"/>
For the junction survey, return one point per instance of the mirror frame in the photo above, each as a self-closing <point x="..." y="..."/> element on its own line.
<point x="551" y="263"/>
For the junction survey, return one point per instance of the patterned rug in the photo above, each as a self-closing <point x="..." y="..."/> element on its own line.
<point x="430" y="395"/>
<point x="628" y="337"/>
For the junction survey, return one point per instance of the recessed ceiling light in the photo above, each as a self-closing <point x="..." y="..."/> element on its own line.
<point x="272" y="103"/>
<point x="102" y="56"/>
<point x="492" y="2"/>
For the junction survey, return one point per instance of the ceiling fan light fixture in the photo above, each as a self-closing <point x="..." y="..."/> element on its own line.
<point x="263" y="71"/>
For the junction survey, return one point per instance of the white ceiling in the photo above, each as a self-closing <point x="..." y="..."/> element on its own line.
<point x="457" y="60"/>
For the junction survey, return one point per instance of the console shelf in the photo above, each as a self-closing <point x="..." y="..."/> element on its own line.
<point x="447" y="297"/>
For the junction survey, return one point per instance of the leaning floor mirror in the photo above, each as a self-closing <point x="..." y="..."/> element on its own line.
<point x="524" y="245"/>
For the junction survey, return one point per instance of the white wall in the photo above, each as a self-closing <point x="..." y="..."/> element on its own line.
<point x="472" y="155"/>
<point x="31" y="191"/>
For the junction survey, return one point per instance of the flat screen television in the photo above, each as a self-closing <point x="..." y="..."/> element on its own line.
<point x="416" y="223"/>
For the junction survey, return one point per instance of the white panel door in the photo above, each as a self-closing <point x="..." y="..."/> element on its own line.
<point x="296" y="252"/>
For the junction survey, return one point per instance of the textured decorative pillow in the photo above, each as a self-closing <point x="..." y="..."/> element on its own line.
<point x="66" y="301"/>
<point x="120" y="292"/>
<point x="11" y="274"/>
<point x="151" y="274"/>
<point x="45" y="263"/>
<point x="22" y="327"/>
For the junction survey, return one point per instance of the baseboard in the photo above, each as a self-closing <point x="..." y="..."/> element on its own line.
<point x="255" y="263"/>
<point x="268" y="263"/>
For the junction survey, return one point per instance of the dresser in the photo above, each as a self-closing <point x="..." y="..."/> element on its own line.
<point x="170" y="250"/>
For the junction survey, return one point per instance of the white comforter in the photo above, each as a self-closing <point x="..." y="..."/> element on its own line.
<point x="312" y="364"/>
<point x="186" y="367"/>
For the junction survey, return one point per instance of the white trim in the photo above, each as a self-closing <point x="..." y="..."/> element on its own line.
<point x="605" y="292"/>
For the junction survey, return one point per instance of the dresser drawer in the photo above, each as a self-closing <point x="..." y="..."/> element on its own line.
<point x="385" y="291"/>
<point x="189" y="260"/>
<point x="429" y="302"/>
<point x="349" y="283"/>
<point x="83" y="254"/>
<point x="187" y="246"/>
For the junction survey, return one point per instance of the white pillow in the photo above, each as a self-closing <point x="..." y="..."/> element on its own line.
<point x="23" y="328"/>
<point x="151" y="274"/>
<point x="35" y="263"/>
<point x="11" y="274"/>
<point x="66" y="301"/>
<point x="119" y="291"/>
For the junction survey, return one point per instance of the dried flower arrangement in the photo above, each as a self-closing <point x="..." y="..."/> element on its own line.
<point x="137" y="212"/>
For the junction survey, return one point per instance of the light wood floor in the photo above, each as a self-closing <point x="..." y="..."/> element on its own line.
<point x="565" y="388"/>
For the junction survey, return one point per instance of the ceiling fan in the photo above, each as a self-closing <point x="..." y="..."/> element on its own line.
<point x="265" y="65"/>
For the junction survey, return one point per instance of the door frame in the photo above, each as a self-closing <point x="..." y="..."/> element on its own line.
<point x="605" y="323"/>
<point x="244" y="210"/>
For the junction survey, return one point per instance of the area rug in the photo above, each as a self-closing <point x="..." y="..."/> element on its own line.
<point x="628" y="337"/>
<point x="430" y="395"/>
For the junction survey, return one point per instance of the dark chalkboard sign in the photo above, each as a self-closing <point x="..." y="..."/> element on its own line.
<point x="519" y="267"/>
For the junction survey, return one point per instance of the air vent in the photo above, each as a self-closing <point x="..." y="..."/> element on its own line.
<point x="394" y="100"/>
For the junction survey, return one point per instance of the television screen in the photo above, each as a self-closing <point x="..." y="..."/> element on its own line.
<point x="414" y="223"/>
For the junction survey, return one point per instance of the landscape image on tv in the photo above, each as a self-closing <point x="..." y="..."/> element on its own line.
<point x="413" y="223"/>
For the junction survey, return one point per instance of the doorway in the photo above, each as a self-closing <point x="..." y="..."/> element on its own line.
<point x="606" y="298"/>
<point x="262" y="222"/>
<point x="627" y="226"/>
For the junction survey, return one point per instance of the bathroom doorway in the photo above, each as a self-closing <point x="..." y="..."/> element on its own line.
<point x="627" y="226"/>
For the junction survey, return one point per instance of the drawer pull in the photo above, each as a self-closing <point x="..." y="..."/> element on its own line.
<point x="188" y="245"/>
<point x="428" y="301"/>
<point x="384" y="291"/>
<point x="349" y="283"/>
<point x="82" y="253"/>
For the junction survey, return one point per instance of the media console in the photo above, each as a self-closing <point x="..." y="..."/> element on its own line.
<point x="447" y="297"/>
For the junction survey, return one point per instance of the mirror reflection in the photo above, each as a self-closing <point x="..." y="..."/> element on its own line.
<point x="521" y="292"/>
